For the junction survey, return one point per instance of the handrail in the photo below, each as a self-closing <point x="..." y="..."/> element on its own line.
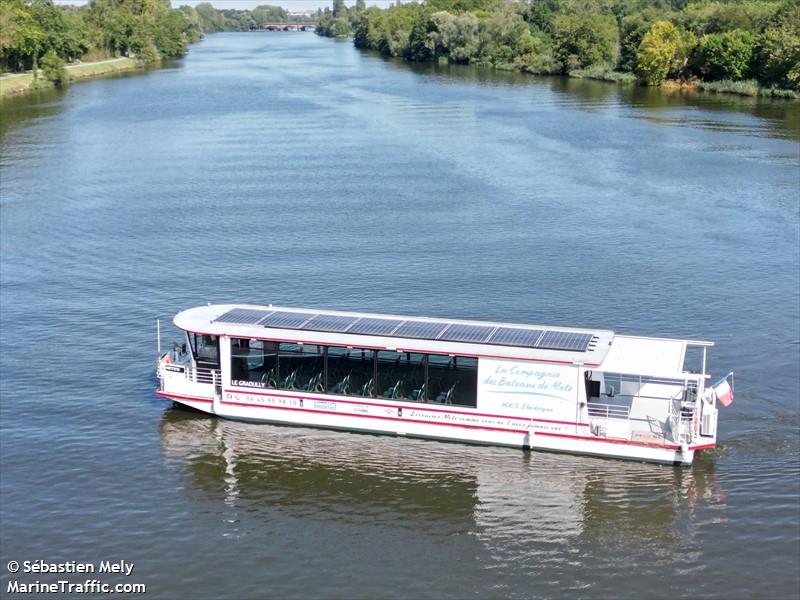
<point x="608" y="411"/>
<point x="609" y="420"/>
<point x="199" y="374"/>
<point x="681" y="418"/>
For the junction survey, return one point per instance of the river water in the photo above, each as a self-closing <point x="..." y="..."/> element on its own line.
<point x="292" y="169"/>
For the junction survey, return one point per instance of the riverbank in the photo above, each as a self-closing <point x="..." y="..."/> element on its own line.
<point x="20" y="83"/>
<point x="748" y="88"/>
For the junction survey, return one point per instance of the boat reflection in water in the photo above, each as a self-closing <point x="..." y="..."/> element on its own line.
<point x="520" y="507"/>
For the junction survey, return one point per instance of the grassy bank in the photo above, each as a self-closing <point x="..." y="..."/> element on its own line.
<point x="18" y="83"/>
<point x="745" y="88"/>
<point x="740" y="88"/>
<point x="748" y="88"/>
<point x="603" y="74"/>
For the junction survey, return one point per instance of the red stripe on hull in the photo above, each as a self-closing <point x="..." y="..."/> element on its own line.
<point x="610" y="440"/>
<point x="703" y="447"/>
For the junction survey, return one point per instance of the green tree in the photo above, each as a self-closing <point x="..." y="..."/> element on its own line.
<point x="210" y="19"/>
<point x="459" y="6"/>
<point x="421" y="46"/>
<point x="341" y="28"/>
<point x="542" y="14"/>
<point x="335" y="23"/>
<point x="777" y="54"/>
<point x="503" y="36"/>
<point x="716" y="17"/>
<point x="53" y="68"/>
<point x="21" y="37"/>
<point x="583" y="40"/>
<point x="538" y="56"/>
<point x="663" y="52"/>
<point x="456" y="36"/>
<point x="777" y="58"/>
<point x="632" y="28"/>
<point x="266" y="13"/>
<point x="194" y="27"/>
<point x="62" y="33"/>
<point x="370" y="28"/>
<point x="111" y="25"/>
<point x="339" y="9"/>
<point x="724" y="55"/>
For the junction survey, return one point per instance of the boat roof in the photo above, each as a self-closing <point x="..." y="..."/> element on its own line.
<point x="590" y="347"/>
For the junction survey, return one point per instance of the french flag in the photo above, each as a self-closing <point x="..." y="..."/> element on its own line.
<point x="724" y="392"/>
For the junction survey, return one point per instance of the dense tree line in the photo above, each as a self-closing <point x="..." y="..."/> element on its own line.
<point x="39" y="33"/>
<point x="32" y="30"/>
<point x="654" y="40"/>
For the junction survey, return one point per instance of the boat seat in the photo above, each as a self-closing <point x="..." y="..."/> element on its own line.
<point x="290" y="382"/>
<point x="418" y="394"/>
<point x="315" y="384"/>
<point x="447" y="397"/>
<point x="343" y="387"/>
<point x="395" y="392"/>
<point x="366" y="389"/>
<point x="268" y="378"/>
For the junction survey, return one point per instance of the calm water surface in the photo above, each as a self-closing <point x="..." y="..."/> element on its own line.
<point x="295" y="170"/>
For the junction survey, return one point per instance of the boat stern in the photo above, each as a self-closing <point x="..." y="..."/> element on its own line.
<point x="181" y="381"/>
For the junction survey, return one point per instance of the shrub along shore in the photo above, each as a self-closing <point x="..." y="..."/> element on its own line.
<point x="748" y="47"/>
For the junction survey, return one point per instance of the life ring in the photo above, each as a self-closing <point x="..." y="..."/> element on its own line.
<point x="167" y="359"/>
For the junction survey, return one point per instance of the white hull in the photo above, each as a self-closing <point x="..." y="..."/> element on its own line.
<point x="427" y="422"/>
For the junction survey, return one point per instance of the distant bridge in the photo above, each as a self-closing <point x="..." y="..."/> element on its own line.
<point x="286" y="27"/>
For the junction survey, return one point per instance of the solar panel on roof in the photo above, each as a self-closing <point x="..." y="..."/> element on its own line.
<point x="419" y="329"/>
<point x="286" y="320"/>
<point x="330" y="323"/>
<point x="564" y="340"/>
<point x="510" y="336"/>
<point x="550" y="339"/>
<point x="243" y="315"/>
<point x="373" y="326"/>
<point x="466" y="333"/>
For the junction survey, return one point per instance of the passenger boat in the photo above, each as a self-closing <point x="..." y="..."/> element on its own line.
<point x="544" y="388"/>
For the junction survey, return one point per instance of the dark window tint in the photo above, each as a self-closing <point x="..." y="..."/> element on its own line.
<point x="401" y="375"/>
<point x="351" y="371"/>
<point x="253" y="362"/>
<point x="453" y="379"/>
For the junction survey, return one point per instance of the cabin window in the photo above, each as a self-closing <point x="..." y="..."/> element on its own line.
<point x="452" y="379"/>
<point x="301" y="367"/>
<point x="253" y="362"/>
<point x="351" y="371"/>
<point x="289" y="365"/>
<point x="205" y="349"/>
<point x="363" y="372"/>
<point x="401" y="375"/>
